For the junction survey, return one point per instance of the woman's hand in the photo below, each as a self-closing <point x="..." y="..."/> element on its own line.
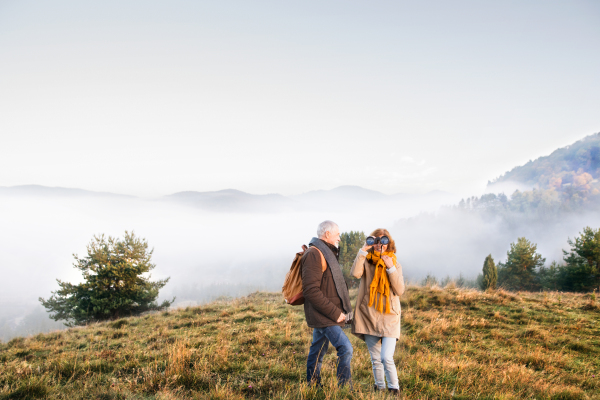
<point x="389" y="263"/>
<point x="366" y="247"/>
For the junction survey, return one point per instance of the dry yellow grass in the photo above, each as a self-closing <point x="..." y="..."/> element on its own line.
<point x="456" y="343"/>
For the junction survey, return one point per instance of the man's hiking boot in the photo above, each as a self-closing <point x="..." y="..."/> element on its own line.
<point x="394" y="392"/>
<point x="375" y="388"/>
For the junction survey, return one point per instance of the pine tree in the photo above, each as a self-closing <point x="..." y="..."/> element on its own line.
<point x="519" y="270"/>
<point x="490" y="274"/>
<point x="114" y="283"/>
<point x="582" y="270"/>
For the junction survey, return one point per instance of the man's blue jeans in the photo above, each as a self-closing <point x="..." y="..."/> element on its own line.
<point x="318" y="348"/>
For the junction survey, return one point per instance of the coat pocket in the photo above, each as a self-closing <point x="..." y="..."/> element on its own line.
<point x="364" y="303"/>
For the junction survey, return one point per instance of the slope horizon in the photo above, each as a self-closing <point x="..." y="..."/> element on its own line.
<point x="43" y="189"/>
<point x="492" y="185"/>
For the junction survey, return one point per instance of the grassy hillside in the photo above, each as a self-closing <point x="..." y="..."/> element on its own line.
<point x="456" y="342"/>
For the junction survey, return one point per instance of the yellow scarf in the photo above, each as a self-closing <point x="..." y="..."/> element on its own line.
<point x="380" y="283"/>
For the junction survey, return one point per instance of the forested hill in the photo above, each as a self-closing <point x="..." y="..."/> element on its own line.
<point x="573" y="167"/>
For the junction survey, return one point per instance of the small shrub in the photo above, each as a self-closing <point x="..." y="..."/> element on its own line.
<point x="118" y="324"/>
<point x="17" y="342"/>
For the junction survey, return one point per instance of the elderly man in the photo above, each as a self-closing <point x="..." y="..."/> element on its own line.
<point x="326" y="303"/>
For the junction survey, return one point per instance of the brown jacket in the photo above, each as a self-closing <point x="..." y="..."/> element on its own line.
<point x="322" y="304"/>
<point x="367" y="320"/>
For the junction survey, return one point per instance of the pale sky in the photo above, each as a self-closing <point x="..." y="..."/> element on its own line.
<point x="150" y="98"/>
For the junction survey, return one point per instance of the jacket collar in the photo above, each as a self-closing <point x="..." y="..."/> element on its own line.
<point x="333" y="249"/>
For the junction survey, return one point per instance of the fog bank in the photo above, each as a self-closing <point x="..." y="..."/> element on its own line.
<point x="234" y="251"/>
<point x="207" y="249"/>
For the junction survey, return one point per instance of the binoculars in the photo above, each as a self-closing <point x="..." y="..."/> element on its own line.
<point x="371" y="240"/>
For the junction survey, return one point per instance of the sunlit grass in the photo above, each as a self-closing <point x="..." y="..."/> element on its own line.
<point x="456" y="343"/>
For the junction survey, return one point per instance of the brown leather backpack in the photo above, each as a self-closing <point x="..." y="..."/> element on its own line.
<point x="292" y="286"/>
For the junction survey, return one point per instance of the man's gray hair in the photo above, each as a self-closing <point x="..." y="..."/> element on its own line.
<point x="326" y="226"/>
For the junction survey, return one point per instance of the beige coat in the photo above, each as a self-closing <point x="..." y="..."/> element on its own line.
<point x="367" y="320"/>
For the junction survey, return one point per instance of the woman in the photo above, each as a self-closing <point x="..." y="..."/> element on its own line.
<point x="377" y="312"/>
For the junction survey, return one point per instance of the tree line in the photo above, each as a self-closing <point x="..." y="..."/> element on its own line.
<point x="116" y="281"/>
<point x="524" y="268"/>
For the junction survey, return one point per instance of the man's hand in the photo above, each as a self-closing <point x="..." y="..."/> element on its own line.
<point x="389" y="263"/>
<point x="342" y="317"/>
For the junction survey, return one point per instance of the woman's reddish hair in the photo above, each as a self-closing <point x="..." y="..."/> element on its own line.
<point x="384" y="232"/>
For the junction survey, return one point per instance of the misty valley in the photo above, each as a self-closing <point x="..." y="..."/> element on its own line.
<point x="230" y="243"/>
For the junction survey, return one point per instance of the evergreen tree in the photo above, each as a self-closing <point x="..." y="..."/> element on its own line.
<point x="490" y="274"/>
<point x="549" y="277"/>
<point x="114" y="283"/>
<point x="582" y="270"/>
<point x="350" y="243"/>
<point x="519" y="270"/>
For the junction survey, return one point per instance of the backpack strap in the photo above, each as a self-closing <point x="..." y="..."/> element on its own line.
<point x="323" y="262"/>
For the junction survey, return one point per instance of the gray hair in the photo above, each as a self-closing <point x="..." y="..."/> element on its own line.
<point x="326" y="226"/>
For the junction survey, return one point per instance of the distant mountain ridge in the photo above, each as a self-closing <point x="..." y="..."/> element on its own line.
<point x="342" y="198"/>
<point x="571" y="171"/>
<point x="232" y="199"/>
